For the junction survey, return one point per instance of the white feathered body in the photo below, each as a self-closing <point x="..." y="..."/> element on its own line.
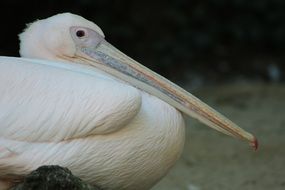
<point x="105" y="131"/>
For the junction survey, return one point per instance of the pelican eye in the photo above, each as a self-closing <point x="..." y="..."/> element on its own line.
<point x="80" y="33"/>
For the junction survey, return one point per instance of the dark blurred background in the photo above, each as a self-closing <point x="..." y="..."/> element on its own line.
<point x="203" y="42"/>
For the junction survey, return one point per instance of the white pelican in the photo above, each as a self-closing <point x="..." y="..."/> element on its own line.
<point x="85" y="105"/>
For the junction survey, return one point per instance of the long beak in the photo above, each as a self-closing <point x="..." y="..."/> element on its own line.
<point x="109" y="59"/>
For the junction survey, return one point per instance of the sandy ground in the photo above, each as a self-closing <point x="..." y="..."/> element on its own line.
<point x="217" y="162"/>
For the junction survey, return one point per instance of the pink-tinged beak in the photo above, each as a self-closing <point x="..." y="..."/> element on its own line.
<point x="96" y="51"/>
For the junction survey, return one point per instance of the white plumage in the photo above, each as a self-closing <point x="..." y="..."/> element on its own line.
<point x="66" y="114"/>
<point x="101" y="123"/>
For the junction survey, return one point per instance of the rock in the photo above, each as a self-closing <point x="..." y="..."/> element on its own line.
<point x="53" y="178"/>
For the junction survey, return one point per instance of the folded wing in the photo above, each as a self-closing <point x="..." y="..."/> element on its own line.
<point x="44" y="101"/>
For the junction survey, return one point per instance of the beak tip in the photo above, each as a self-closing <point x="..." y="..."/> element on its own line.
<point x="254" y="144"/>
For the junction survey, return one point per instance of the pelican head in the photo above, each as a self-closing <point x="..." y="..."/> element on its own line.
<point x="71" y="38"/>
<point x="52" y="38"/>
